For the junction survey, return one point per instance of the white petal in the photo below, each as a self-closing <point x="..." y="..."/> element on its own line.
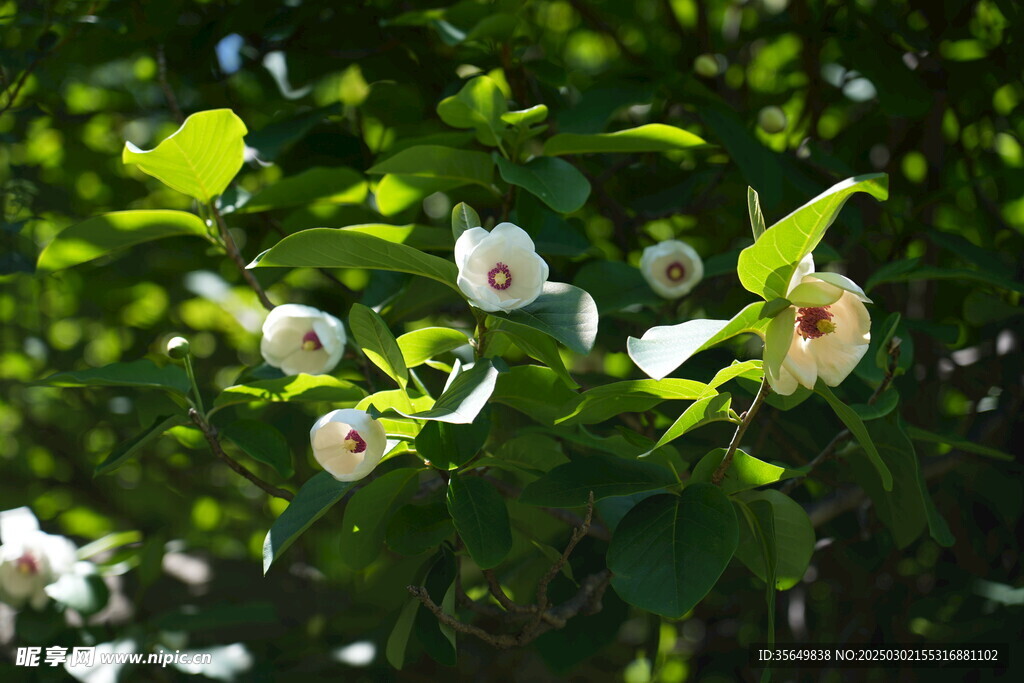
<point x="276" y="347"/>
<point x="511" y="236"/>
<point x="784" y="383"/>
<point x="466" y="243"/>
<point x="804" y="268"/>
<point x="16" y="524"/>
<point x="801" y="363"/>
<point x="844" y="283"/>
<point x="308" y="362"/>
<point x="837" y="354"/>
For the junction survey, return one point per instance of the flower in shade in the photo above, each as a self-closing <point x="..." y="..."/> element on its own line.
<point x="672" y="268"/>
<point x="348" y="443"/>
<point x="822" y="335"/>
<point x="302" y="339"/>
<point x="499" y="270"/>
<point x="30" y="560"/>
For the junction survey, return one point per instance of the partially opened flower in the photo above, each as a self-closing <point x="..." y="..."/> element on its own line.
<point x="30" y="560"/>
<point x="348" y="443"/>
<point x="499" y="270"/>
<point x="672" y="268"/>
<point x="824" y="334"/>
<point x="302" y="339"/>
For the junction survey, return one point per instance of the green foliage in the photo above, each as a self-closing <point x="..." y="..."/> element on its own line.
<point x="481" y="519"/>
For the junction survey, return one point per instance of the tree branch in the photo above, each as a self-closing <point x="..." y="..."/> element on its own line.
<point x="236" y="256"/>
<point x="741" y="429"/>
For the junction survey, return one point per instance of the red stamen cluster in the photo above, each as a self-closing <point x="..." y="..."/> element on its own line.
<point x="311" y="342"/>
<point x="353" y="435"/>
<point x="809" y="322"/>
<point x="676" y="271"/>
<point x="27" y="564"/>
<point x="499" y="267"/>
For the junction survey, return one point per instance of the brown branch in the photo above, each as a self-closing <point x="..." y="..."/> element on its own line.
<point x="210" y="432"/>
<point x="598" y="531"/>
<point x="501" y="596"/>
<point x="236" y="256"/>
<point x="741" y="429"/>
<point x="172" y="101"/>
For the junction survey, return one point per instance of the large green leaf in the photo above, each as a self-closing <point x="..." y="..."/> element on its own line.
<point x="200" y="158"/>
<point x="714" y="408"/>
<point x="138" y="373"/>
<point x="630" y="396"/>
<point x="746" y="471"/>
<point x="555" y="182"/>
<point x="399" y="638"/>
<point x="312" y="501"/>
<point x="534" y="390"/>
<point x="668" y="552"/>
<point x="766" y="267"/>
<point x="480" y="106"/>
<point x="465" y="396"/>
<point x="368" y="512"/>
<point x="316" y="185"/>
<point x="530" y="453"/>
<point x="464" y="217"/>
<point x="378" y="343"/>
<point x="535" y="344"/>
<point x="423" y="237"/>
<point x="415" y="529"/>
<point x="793" y="537"/>
<point x="331" y="248"/>
<point x="263" y="442"/>
<point x="569" y="485"/>
<point x="562" y="311"/>
<point x="293" y="388"/>
<point x="481" y="518"/>
<point x="396" y="192"/>
<point x="918" y="434"/>
<point x="444" y="163"/>
<point x="663" y="349"/>
<point x="615" y="285"/>
<point x="859" y="431"/>
<point x="450" y="446"/>
<point x="653" y="137"/>
<point x="436" y="638"/>
<point x="526" y="117"/>
<point x="101" y="235"/>
<point x="424" y="344"/>
<point x="120" y="455"/>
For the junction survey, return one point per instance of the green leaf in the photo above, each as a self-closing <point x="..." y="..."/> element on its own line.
<point x="421" y="345"/>
<point x="562" y="311"/>
<point x="937" y="526"/>
<point x="464" y="218"/>
<point x="436" y="638"/>
<point x="378" y="343"/>
<point x="630" y="396"/>
<point x="464" y="397"/>
<point x="715" y="408"/>
<point x="331" y="248"/>
<point x="615" y="285"/>
<point x="200" y="158"/>
<point x="530" y="453"/>
<point x="793" y="538"/>
<point x="262" y="442"/>
<point x="416" y="236"/>
<point x="749" y="369"/>
<point x="746" y="471"/>
<point x="450" y="446"/>
<point x="481" y="518"/>
<point x="668" y="552"/>
<point x="479" y="105"/>
<point x="882" y="355"/>
<point x="555" y="182"/>
<point x="526" y="117"/>
<point x="138" y="373"/>
<point x="918" y="434"/>
<point x="766" y="267"/>
<point x="415" y="529"/>
<point x="295" y="388"/>
<point x="883" y="406"/>
<point x="859" y="431"/>
<point x="316" y="185"/>
<point x="663" y="349"/>
<point x="120" y="455"/>
<point x="569" y="485"/>
<point x="368" y="512"/>
<point x="653" y="137"/>
<point x="909" y="271"/>
<point x="312" y="501"/>
<point x="435" y="161"/>
<point x="399" y="638"/>
<point x="534" y="390"/>
<point x="757" y="225"/>
<point x="395" y="192"/>
<point x="102" y="235"/>
<point x="535" y="344"/>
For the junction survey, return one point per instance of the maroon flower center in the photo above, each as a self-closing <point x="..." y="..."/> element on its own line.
<point x="354" y="442"/>
<point x="311" y="342"/>
<point x="499" y="277"/>
<point x="27" y="564"/>
<point x="676" y="271"/>
<point x="812" y="323"/>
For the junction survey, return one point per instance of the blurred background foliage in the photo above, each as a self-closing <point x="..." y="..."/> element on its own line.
<point x="794" y="94"/>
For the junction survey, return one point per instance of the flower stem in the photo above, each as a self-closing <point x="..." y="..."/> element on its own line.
<point x="195" y="385"/>
<point x="741" y="429"/>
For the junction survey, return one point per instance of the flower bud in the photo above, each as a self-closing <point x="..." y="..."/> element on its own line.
<point x="178" y="348"/>
<point x="348" y="443"/>
<point x="499" y="270"/>
<point x="706" y="65"/>
<point x="302" y="339"/>
<point x="772" y="120"/>
<point x="672" y="268"/>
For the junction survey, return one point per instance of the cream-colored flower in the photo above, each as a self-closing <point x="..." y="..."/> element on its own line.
<point x="30" y="560"/>
<point x="499" y="270"/>
<point x="824" y="334"/>
<point x="348" y="443"/>
<point x="672" y="268"/>
<point x="302" y="339"/>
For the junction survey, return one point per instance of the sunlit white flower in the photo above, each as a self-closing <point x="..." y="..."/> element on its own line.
<point x="348" y="443"/>
<point x="30" y="560"/>
<point x="499" y="270"/>
<point x="824" y="334"/>
<point x="672" y="268"/>
<point x="302" y="339"/>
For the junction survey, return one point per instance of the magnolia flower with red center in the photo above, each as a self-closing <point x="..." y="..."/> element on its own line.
<point x="30" y="560"/>
<point x="499" y="270"/>
<point x="823" y="334"/>
<point x="672" y="268"/>
<point x="301" y="339"/>
<point x="348" y="443"/>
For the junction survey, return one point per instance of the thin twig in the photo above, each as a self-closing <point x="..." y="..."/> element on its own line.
<point x="161" y="75"/>
<point x="741" y="429"/>
<point x="598" y="531"/>
<point x="210" y="432"/>
<point x="501" y="596"/>
<point x="236" y="256"/>
<point x="577" y="535"/>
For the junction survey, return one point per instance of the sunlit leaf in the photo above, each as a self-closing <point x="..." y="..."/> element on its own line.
<point x="653" y="137"/>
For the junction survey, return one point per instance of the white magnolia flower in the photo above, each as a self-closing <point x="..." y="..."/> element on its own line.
<point x="30" y="560"/>
<point x="499" y="270"/>
<point x="348" y="443"/>
<point x="302" y="339"/>
<point x="824" y="334"/>
<point x="672" y="268"/>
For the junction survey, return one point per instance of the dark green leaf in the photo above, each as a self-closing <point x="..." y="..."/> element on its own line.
<point x="555" y="182"/>
<point x="562" y="311"/>
<point x="316" y="185"/>
<point x="630" y="396"/>
<point x="450" y="446"/>
<point x="368" y="512"/>
<point x="534" y="390"/>
<point x="856" y="427"/>
<point x="120" y="455"/>
<point x="294" y="388"/>
<point x="415" y="529"/>
<point x="570" y="485"/>
<point x="262" y="442"/>
<point x="793" y="538"/>
<point x="378" y="343"/>
<point x="481" y="518"/>
<point x="714" y="408"/>
<point x="746" y="471"/>
<point x="465" y="396"/>
<point x="399" y="638"/>
<point x="445" y="163"/>
<point x="311" y="502"/>
<point x="653" y="137"/>
<point x="138" y="373"/>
